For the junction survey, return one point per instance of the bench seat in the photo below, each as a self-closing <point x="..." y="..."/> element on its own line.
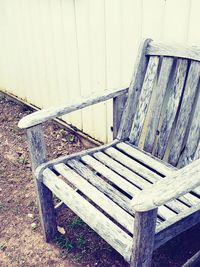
<point x="98" y="186"/>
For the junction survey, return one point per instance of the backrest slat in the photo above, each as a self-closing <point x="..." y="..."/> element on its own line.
<point x="185" y="112"/>
<point x="156" y="111"/>
<point x="134" y="91"/>
<point x="172" y="107"/>
<point x="193" y="138"/>
<point x="174" y="50"/>
<point x="144" y="99"/>
<point x="197" y="152"/>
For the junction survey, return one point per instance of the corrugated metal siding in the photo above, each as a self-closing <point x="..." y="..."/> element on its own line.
<point x="53" y="51"/>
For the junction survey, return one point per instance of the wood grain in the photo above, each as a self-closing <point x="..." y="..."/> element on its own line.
<point x="105" y="203"/>
<point x="134" y="91"/>
<point x="45" y="198"/>
<point x="102" y="185"/>
<point x="185" y="112"/>
<point x="144" y="100"/>
<point x="193" y="137"/>
<point x="158" y="104"/>
<point x="172" y="107"/>
<point x="118" y="108"/>
<point x="175" y="50"/>
<point x="144" y="233"/>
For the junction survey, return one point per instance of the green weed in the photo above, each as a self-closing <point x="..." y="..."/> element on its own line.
<point x="80" y="242"/>
<point x="77" y="258"/>
<point x="64" y="243"/>
<point x="75" y="222"/>
<point x="22" y="160"/>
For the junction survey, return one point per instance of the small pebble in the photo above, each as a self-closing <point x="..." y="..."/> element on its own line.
<point x="61" y="230"/>
<point x="30" y="215"/>
<point x="33" y="226"/>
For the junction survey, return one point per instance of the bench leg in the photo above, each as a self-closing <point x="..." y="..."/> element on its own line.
<point x="144" y="232"/>
<point x="45" y="198"/>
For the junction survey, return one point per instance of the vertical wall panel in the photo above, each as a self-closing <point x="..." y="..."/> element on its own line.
<point x="55" y="51"/>
<point x="82" y="13"/>
<point x="131" y="29"/>
<point x="113" y="52"/>
<point x="98" y="64"/>
<point x="194" y="22"/>
<point x="152" y="19"/>
<point x="177" y="14"/>
<point x="69" y="35"/>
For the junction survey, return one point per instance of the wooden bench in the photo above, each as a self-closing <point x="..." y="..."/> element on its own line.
<point x="142" y="189"/>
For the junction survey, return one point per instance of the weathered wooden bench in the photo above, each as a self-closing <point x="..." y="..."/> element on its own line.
<point x="142" y="189"/>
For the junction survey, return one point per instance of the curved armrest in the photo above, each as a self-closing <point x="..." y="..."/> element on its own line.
<point x="53" y="112"/>
<point x="172" y="186"/>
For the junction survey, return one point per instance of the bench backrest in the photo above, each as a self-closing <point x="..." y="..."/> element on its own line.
<point x="162" y="112"/>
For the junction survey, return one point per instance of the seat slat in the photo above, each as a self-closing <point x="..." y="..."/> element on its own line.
<point x="172" y="107"/>
<point x="189" y="199"/>
<point x="109" y="231"/>
<point x="159" y="96"/>
<point x="144" y="100"/>
<point x="133" y="165"/>
<point x="163" y="212"/>
<point x="103" y="186"/>
<point x="110" y="175"/>
<point x="117" y="213"/>
<point x="120" y="169"/>
<point x="184" y="113"/>
<point x="78" y="166"/>
<point x="197" y="191"/>
<point x="148" y="160"/>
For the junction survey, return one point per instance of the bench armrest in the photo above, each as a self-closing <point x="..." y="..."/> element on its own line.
<point x="53" y="112"/>
<point x="172" y="186"/>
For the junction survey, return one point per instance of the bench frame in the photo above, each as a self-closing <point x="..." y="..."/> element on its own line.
<point x="146" y="236"/>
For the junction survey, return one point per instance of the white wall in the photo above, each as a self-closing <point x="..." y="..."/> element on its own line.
<point x="52" y="51"/>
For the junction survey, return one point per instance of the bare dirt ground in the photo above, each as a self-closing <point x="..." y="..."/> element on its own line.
<point x="21" y="242"/>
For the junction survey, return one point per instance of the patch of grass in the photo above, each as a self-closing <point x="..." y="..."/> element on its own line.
<point x="75" y="222"/>
<point x="77" y="258"/>
<point x="64" y="243"/>
<point x="68" y="246"/>
<point x="81" y="242"/>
